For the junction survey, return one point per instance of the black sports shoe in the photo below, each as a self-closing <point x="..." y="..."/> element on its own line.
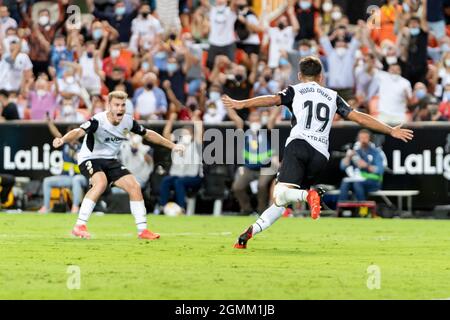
<point x="241" y="242"/>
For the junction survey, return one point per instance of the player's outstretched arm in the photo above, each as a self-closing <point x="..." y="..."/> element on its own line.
<point x="156" y="138"/>
<point x="370" y="122"/>
<point x="71" y="136"/>
<point x="262" y="101"/>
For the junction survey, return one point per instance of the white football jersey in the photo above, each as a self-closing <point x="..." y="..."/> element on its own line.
<point x="313" y="108"/>
<point x="103" y="139"/>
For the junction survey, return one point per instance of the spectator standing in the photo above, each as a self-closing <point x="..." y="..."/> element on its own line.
<point x="149" y="101"/>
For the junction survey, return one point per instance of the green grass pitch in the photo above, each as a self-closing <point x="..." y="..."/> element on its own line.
<point x="194" y="259"/>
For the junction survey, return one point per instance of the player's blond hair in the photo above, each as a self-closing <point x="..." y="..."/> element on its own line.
<point x="118" y="95"/>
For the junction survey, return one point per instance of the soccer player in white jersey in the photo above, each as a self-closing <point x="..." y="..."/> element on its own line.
<point x="97" y="160"/>
<point x="306" y="153"/>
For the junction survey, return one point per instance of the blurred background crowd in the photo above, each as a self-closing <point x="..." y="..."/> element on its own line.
<point x="61" y="58"/>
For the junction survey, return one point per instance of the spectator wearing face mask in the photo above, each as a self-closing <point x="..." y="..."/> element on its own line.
<point x="282" y="36"/>
<point x="340" y="61"/>
<point x="257" y="155"/>
<point x="6" y="21"/>
<point x="103" y="35"/>
<point x="187" y="110"/>
<point x="60" y="54"/>
<point x="120" y="19"/>
<point x="221" y="32"/>
<point x="395" y="95"/>
<point x="146" y="30"/>
<point x="91" y="73"/>
<point x="69" y="111"/>
<point x="115" y="59"/>
<point x="138" y="159"/>
<point x="42" y="34"/>
<point x="307" y="17"/>
<point x="214" y="110"/>
<point x="11" y="36"/>
<point x="420" y="98"/>
<point x="186" y="171"/>
<point x="41" y="100"/>
<point x="118" y="77"/>
<point x="15" y="68"/>
<point x="265" y="85"/>
<point x="176" y="68"/>
<point x="413" y="41"/>
<point x="304" y="49"/>
<point x="150" y="102"/>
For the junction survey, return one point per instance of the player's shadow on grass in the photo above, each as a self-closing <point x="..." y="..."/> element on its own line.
<point x="285" y="252"/>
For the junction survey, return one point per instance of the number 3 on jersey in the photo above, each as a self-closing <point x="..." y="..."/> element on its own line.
<point x="321" y="112"/>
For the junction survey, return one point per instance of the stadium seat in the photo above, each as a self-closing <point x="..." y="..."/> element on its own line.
<point x="215" y="186"/>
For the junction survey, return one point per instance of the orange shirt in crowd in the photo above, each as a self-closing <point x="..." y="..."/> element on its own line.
<point x="388" y="15"/>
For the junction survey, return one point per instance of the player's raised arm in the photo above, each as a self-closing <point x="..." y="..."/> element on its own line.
<point x="370" y="122"/>
<point x="72" y="135"/>
<point x="263" y="101"/>
<point x="156" y="138"/>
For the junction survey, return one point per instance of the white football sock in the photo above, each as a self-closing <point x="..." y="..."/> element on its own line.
<point x="284" y="195"/>
<point x="140" y="214"/>
<point x="267" y="218"/>
<point x="87" y="206"/>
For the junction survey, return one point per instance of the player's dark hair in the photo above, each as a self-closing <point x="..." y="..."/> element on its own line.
<point x="310" y="67"/>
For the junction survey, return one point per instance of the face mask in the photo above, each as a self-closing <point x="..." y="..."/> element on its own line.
<point x="41" y="92"/>
<point x="3" y="20"/>
<point x="395" y="77"/>
<point x="283" y="62"/>
<point x="313" y="50"/>
<point x="341" y="51"/>
<point x="60" y="48"/>
<point x="264" y="120"/>
<point x="414" y="31"/>
<point x="145" y="14"/>
<point x="90" y="55"/>
<point x="305" y="5"/>
<point x="261" y="68"/>
<point x="214" y="96"/>
<point x="145" y="66"/>
<point x="97" y="34"/>
<point x="446" y="96"/>
<point x="67" y="110"/>
<point x="44" y="20"/>
<point x="134" y="150"/>
<point x="336" y="15"/>
<point x="173" y="36"/>
<point x="120" y="11"/>
<point x="186" y="139"/>
<point x="304" y="53"/>
<point x="212" y="111"/>
<point x="70" y="80"/>
<point x="115" y="53"/>
<point x="172" y="67"/>
<point x="160" y="55"/>
<point x="391" y="59"/>
<point x="420" y="94"/>
<point x="281" y="26"/>
<point x="327" y="6"/>
<point x="405" y="7"/>
<point x="239" y="77"/>
<point x="255" y="126"/>
<point x="149" y="86"/>
<point x="267" y="78"/>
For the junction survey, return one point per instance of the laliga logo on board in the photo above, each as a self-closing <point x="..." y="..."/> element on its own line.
<point x="29" y="159"/>
<point x="422" y="164"/>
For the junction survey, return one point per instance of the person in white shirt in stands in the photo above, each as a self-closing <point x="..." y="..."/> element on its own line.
<point x="247" y="28"/>
<point x="281" y="37"/>
<point x="395" y="93"/>
<point x="341" y="60"/>
<point x="16" y="68"/>
<point x="186" y="170"/>
<point x="221" y="33"/>
<point x="6" y="21"/>
<point x="92" y="69"/>
<point x="150" y="101"/>
<point x="137" y="158"/>
<point x="146" y="30"/>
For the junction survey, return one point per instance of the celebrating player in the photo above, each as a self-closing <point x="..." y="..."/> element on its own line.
<point x="306" y="153"/>
<point x="103" y="135"/>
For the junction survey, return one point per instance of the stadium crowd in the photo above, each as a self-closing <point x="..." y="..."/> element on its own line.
<point x="180" y="56"/>
<point x="60" y="59"/>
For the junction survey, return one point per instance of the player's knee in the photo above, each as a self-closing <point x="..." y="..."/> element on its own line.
<point x="99" y="186"/>
<point x="134" y="188"/>
<point x="278" y="192"/>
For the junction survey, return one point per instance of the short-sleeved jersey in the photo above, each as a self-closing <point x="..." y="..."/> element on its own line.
<point x="313" y="108"/>
<point x="103" y="139"/>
